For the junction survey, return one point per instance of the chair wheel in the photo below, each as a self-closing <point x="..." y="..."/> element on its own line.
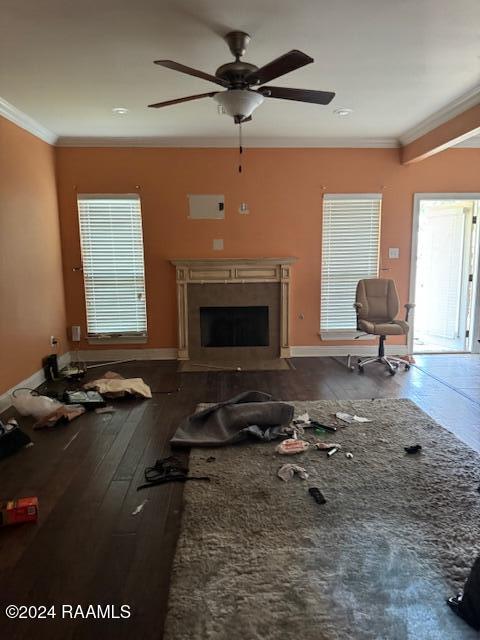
<point x="407" y="367"/>
<point x="392" y="372"/>
<point x="360" y="369"/>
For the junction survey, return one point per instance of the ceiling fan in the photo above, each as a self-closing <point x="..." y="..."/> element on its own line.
<point x="237" y="78"/>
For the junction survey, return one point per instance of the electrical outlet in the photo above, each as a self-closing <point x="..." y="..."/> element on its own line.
<point x="53" y="341"/>
<point x="218" y="244"/>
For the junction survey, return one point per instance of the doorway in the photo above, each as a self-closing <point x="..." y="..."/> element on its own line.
<point x="444" y="273"/>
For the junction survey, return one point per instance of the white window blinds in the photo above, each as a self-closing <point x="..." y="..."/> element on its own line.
<point x="113" y="267"/>
<point x="350" y="252"/>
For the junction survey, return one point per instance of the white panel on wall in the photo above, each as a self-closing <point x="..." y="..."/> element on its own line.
<point x="206" y="207"/>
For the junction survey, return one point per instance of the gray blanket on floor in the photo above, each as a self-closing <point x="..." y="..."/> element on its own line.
<point x="251" y="414"/>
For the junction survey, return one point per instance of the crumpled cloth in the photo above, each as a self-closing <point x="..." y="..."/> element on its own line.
<point x="287" y="472"/>
<point x="251" y="414"/>
<point x="64" y="413"/>
<point x="113" y="385"/>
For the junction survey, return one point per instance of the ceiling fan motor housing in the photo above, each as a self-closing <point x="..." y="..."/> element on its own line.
<point x="235" y="73"/>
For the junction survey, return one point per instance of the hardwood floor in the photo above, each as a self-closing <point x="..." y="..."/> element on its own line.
<point x="88" y="548"/>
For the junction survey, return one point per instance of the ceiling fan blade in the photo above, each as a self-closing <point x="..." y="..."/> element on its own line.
<point x="279" y="67"/>
<point x="176" y="66"/>
<point x="301" y="95"/>
<point x="166" y="103"/>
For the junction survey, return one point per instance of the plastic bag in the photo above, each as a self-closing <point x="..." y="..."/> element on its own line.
<point x="28" y="403"/>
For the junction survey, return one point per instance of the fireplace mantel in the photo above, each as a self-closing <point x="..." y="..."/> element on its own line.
<point x="229" y="271"/>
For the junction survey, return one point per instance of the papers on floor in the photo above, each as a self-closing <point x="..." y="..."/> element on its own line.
<point x="347" y="417"/>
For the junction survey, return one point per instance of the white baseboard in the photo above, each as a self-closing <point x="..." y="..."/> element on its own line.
<point x="32" y="382"/>
<point x="110" y="355"/>
<point x="361" y="350"/>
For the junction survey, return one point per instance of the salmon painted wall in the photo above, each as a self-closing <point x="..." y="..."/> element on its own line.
<point x="283" y="188"/>
<point x="31" y="278"/>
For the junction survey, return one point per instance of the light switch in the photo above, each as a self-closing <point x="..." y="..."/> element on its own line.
<point x="218" y="244"/>
<point x="393" y="253"/>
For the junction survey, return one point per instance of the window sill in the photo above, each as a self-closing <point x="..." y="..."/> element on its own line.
<point x="117" y="339"/>
<point x="342" y="334"/>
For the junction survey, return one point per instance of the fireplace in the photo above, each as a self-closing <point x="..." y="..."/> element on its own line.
<point x="234" y="326"/>
<point x="233" y="308"/>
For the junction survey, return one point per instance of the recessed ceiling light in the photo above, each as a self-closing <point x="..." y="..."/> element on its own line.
<point x="120" y="111"/>
<point x="342" y="111"/>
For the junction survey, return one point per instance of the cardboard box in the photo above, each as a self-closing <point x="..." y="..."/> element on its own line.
<point x="18" y="511"/>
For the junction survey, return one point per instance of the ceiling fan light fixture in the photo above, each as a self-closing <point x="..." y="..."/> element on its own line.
<point x="239" y="102"/>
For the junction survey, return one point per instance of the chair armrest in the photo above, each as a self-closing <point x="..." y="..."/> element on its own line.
<point x="408" y="307"/>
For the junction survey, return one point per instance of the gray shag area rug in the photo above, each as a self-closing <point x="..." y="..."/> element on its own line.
<point x="259" y="559"/>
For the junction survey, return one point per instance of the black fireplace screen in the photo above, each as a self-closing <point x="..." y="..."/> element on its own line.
<point x="234" y="326"/>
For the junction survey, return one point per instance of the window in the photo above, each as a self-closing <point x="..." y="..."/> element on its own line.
<point x="350" y="252"/>
<point x="113" y="267"/>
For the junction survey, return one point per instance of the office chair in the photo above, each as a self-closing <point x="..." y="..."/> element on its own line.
<point x="376" y="305"/>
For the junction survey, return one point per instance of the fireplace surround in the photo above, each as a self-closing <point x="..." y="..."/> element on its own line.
<point x="233" y="284"/>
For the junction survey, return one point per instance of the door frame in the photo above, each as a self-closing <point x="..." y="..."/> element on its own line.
<point x="417" y="198"/>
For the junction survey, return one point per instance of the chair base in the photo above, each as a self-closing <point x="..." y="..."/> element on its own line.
<point x="392" y="364"/>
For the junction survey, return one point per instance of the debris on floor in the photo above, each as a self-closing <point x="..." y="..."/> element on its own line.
<point x="326" y="446"/>
<point x="28" y="403"/>
<point x="64" y="414"/>
<point x="287" y="471"/>
<point x="138" y="509"/>
<point x="323" y="427"/>
<point x="249" y="415"/>
<point x="332" y="452"/>
<point x="169" y="469"/>
<point x="18" y="511"/>
<point x="303" y="419"/>
<point x="347" y="417"/>
<point x="413" y="449"/>
<point x="107" y="409"/>
<point x="349" y="455"/>
<point x="88" y="399"/>
<point x="12" y="438"/>
<point x="72" y="439"/>
<point x="317" y="495"/>
<point x="113" y="385"/>
<point x="291" y="446"/>
<point x="211" y="459"/>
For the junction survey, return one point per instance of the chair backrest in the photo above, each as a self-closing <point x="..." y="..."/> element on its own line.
<point x="379" y="299"/>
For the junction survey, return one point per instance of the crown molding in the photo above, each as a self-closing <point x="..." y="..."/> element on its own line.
<point x="21" y="119"/>
<point x="461" y="104"/>
<point x="472" y="143"/>
<point x="228" y="142"/>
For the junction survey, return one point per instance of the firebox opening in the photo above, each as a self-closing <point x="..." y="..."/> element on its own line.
<point x="234" y="326"/>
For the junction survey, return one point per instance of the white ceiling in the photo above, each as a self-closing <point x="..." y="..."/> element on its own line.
<point x="67" y="63"/>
